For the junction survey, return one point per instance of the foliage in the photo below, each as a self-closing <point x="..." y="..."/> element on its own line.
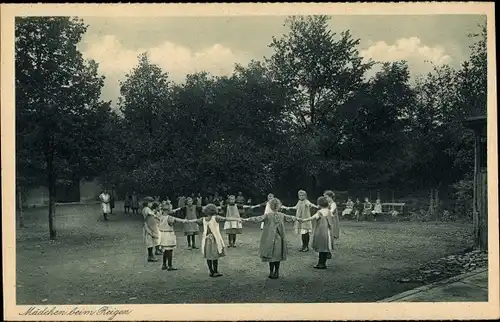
<point x="307" y="117"/>
<point x="58" y="112"/>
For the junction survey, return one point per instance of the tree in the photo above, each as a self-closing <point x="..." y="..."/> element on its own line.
<point x="320" y="76"/>
<point x="57" y="104"/>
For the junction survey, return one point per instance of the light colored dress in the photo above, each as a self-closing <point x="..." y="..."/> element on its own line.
<point x="303" y="211"/>
<point x="377" y="209"/>
<point x="168" y="239"/>
<point x="273" y="245"/>
<point x="105" y="199"/>
<point x="151" y="231"/>
<point x="348" y="209"/>
<point x="232" y="227"/>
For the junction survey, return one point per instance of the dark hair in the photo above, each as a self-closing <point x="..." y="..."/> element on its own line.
<point x="144" y="204"/>
<point x="155" y="205"/>
<point x="323" y="202"/>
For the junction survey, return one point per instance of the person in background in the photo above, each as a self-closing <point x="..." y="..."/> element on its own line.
<point x="349" y="207"/>
<point x="249" y="211"/>
<point x="267" y="208"/>
<point x="216" y="200"/>
<point x="181" y="202"/>
<point x="377" y="209"/>
<point x="367" y="208"/>
<point x="127" y="203"/>
<point x="112" y="200"/>
<point x="199" y="200"/>
<point x="191" y="229"/>
<point x="358" y="209"/>
<point x="134" y="203"/>
<point x="105" y="198"/>
<point x="232" y="228"/>
<point x="240" y="202"/>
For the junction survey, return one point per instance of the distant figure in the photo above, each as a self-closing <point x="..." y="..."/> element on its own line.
<point x="377" y="209"/>
<point x="358" y="207"/>
<point x="199" y="200"/>
<point x="181" y="202"/>
<point x="367" y="208"/>
<point x="105" y="199"/>
<point x="349" y="207"/>
<point x="216" y="200"/>
<point x="267" y="209"/>
<point x="188" y="212"/>
<point x="134" y="203"/>
<point x="112" y="200"/>
<point x="127" y="203"/>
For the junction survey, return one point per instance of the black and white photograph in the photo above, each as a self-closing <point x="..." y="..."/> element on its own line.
<point x="222" y="157"/>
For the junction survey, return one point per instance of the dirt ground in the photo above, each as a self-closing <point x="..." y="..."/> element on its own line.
<point x="99" y="262"/>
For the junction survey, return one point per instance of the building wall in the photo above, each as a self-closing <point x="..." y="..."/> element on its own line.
<point x="39" y="196"/>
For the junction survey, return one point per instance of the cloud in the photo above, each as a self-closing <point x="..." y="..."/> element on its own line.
<point x="115" y="61"/>
<point x="410" y="49"/>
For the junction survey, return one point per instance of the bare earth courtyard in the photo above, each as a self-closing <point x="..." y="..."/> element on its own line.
<point x="97" y="262"/>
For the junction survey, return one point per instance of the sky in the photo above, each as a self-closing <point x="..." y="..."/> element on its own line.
<point x="184" y="45"/>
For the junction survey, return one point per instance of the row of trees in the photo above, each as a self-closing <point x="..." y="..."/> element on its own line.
<point x="305" y="117"/>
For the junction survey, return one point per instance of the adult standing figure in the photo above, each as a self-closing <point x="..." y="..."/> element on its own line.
<point x="105" y="199"/>
<point x="112" y="200"/>
<point x="134" y="203"/>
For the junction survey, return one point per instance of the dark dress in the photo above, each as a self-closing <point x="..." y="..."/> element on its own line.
<point x="273" y="245"/>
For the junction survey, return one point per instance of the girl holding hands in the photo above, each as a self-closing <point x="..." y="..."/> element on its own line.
<point x="212" y="243"/>
<point x="273" y="245"/>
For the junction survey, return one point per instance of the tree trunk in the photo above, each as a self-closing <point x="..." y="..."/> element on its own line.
<point x="52" y="198"/>
<point x="20" y="207"/>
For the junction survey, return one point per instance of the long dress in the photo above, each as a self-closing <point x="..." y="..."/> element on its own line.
<point x="191" y="212"/>
<point x="267" y="210"/>
<point x="105" y="198"/>
<point x="135" y="202"/>
<point x="212" y="243"/>
<point x="325" y="231"/>
<point x="232" y="227"/>
<point x="151" y="231"/>
<point x="273" y="244"/>
<point x="303" y="212"/>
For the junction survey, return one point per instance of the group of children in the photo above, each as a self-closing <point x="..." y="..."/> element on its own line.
<point x="362" y="210"/>
<point x="160" y="238"/>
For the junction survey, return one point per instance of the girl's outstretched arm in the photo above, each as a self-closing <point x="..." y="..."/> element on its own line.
<point x="220" y="218"/>
<point x="315" y="216"/>
<point x="256" y="218"/>
<point x="176" y="209"/>
<point x="289" y="218"/>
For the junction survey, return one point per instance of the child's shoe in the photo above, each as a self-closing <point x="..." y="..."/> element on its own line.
<point x="171" y="268"/>
<point x="164" y="267"/>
